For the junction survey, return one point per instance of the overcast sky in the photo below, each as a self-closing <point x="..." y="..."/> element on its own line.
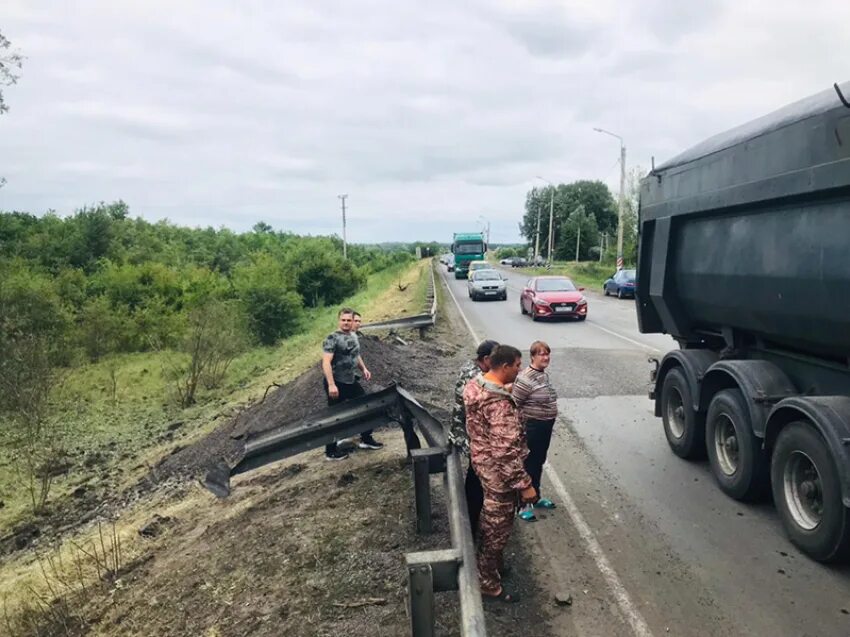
<point x="427" y="114"/>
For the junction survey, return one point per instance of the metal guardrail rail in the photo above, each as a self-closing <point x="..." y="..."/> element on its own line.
<point x="428" y="571"/>
<point x="421" y="321"/>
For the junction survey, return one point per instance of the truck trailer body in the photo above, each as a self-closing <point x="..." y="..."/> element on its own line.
<point x="744" y="258"/>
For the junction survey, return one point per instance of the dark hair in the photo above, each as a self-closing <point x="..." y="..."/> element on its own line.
<point x="504" y="355"/>
<point x="538" y="347"/>
<point x="345" y="310"/>
<point x="485" y="348"/>
<point x="356" y="313"/>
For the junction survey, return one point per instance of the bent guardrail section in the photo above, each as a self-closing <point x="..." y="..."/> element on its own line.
<point x="421" y="321"/>
<point x="428" y="571"/>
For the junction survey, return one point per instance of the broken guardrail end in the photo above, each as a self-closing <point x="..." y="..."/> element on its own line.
<point x="217" y="480"/>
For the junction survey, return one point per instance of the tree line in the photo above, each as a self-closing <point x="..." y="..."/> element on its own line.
<point x="584" y="219"/>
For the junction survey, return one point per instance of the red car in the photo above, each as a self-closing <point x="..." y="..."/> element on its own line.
<point x="549" y="296"/>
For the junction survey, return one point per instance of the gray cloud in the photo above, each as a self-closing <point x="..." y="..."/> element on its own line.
<point x="213" y="113"/>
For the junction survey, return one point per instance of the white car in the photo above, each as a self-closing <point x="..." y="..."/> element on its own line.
<point x="487" y="284"/>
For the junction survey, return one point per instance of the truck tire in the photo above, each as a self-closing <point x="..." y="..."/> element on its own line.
<point x="682" y="425"/>
<point x="737" y="461"/>
<point x="807" y="493"/>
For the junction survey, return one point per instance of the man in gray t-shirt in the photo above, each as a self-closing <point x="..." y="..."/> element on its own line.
<point x="342" y="367"/>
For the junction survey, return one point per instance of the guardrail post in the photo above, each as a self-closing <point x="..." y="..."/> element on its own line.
<point x="420" y="583"/>
<point x="429" y="572"/>
<point x="422" y="488"/>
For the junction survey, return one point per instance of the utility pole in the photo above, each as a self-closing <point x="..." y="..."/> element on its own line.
<point x="342" y="198"/>
<point x="550" y="242"/>
<point x="578" y="235"/>
<point x="601" y="246"/>
<point x="537" y="239"/>
<point x="622" y="202"/>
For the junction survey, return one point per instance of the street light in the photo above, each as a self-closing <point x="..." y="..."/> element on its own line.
<point x="551" y="208"/>
<point x="486" y="227"/>
<point x="622" y="202"/>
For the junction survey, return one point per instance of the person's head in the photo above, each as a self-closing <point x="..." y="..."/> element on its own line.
<point x="357" y="321"/>
<point x="482" y="354"/>
<point x="540" y="354"/>
<point x="346" y="319"/>
<point x="505" y="362"/>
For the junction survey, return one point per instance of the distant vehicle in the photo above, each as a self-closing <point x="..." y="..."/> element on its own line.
<point x="621" y="284"/>
<point x="480" y="265"/>
<point x="553" y="296"/>
<point x="742" y="256"/>
<point x="519" y="262"/>
<point x="487" y="284"/>
<point x="450" y="263"/>
<point x="507" y="261"/>
<point x="467" y="247"/>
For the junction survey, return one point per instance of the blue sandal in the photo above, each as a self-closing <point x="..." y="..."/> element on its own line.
<point x="544" y="503"/>
<point x="527" y="515"/>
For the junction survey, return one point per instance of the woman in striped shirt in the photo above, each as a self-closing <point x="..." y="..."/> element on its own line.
<point x="538" y="407"/>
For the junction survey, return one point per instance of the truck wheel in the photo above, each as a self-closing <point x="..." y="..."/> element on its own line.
<point x="739" y="465"/>
<point x="807" y="493"/>
<point x="682" y="425"/>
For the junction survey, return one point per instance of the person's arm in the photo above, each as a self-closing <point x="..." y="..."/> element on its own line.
<point x="367" y="375"/>
<point x="327" y="370"/>
<point x="506" y="445"/>
<point x="521" y="391"/>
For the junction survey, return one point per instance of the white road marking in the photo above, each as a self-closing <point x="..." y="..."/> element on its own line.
<point x="627" y="607"/>
<point x="624" y="601"/>
<point x="648" y="348"/>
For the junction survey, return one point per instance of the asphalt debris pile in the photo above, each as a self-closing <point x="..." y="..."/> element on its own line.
<point x="421" y="367"/>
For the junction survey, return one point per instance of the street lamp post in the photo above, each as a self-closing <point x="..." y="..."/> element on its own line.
<point x="485" y="223"/>
<point x="551" y="208"/>
<point x="622" y="202"/>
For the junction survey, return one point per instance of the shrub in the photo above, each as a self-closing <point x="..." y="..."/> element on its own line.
<point x="266" y="291"/>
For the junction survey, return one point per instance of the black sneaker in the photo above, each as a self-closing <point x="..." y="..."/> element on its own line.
<point x="336" y="454"/>
<point x="368" y="442"/>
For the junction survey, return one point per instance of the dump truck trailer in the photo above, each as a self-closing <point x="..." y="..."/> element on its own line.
<point x="744" y="258"/>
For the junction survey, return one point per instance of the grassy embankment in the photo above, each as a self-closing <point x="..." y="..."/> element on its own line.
<point x="114" y="442"/>
<point x="136" y="422"/>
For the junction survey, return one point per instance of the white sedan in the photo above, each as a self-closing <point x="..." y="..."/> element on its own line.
<point x="487" y="284"/>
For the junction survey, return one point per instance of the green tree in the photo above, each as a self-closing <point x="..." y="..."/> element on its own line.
<point x="10" y="65"/>
<point x="267" y="293"/>
<point x="580" y="229"/>
<point x="322" y="276"/>
<point x="594" y="196"/>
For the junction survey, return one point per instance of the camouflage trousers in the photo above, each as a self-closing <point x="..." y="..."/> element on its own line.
<point x="494" y="528"/>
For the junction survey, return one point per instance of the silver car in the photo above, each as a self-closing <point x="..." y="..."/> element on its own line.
<point x="487" y="284"/>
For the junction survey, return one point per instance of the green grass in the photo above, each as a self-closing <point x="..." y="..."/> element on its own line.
<point x="131" y="431"/>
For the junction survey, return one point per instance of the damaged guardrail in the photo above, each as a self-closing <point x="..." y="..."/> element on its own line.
<point x="421" y="321"/>
<point x="428" y="571"/>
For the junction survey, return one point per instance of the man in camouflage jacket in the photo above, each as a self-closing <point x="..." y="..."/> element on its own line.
<point x="498" y="452"/>
<point x="457" y="432"/>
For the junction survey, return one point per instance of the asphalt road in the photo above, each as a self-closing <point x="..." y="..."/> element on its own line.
<point x="644" y="541"/>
